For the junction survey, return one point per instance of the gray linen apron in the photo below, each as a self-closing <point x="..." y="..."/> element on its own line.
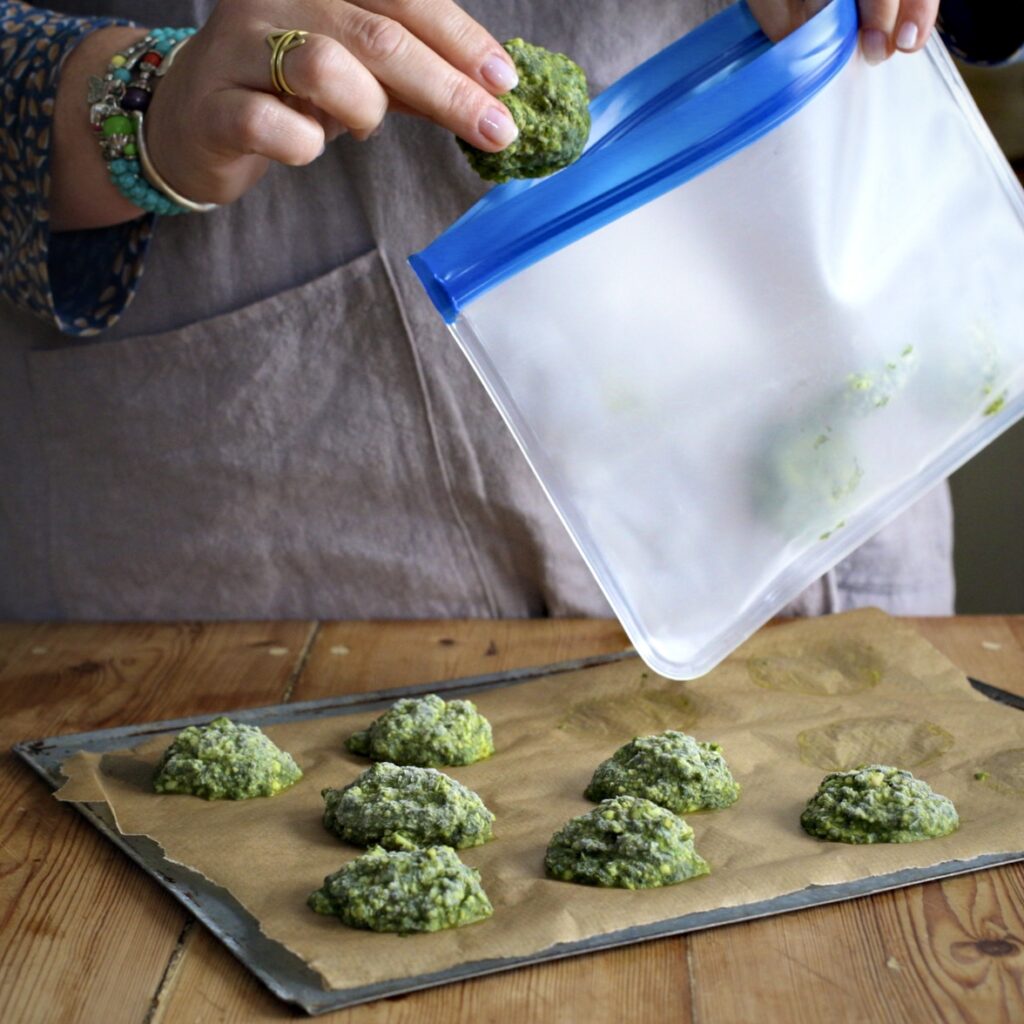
<point x="280" y="425"/>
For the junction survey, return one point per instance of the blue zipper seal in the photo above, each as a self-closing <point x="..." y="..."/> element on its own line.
<point x="698" y="101"/>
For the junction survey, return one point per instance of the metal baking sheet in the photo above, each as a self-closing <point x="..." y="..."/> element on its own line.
<point x="286" y="975"/>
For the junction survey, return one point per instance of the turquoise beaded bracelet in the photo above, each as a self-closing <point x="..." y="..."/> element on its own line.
<point x="116" y="105"/>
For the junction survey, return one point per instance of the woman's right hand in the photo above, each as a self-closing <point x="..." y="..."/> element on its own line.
<point x="885" y="25"/>
<point x="215" y="122"/>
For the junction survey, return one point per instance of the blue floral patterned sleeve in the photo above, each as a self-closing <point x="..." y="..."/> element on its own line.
<point x="80" y="280"/>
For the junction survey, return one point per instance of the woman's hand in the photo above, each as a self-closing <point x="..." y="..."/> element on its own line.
<point x="885" y="25"/>
<point x="215" y="122"/>
<point x="889" y="25"/>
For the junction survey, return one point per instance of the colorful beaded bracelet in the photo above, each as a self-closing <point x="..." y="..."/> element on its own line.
<point x="116" y="105"/>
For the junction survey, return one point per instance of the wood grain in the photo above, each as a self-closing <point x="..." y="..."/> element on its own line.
<point x="84" y="935"/>
<point x="635" y="984"/>
<point x="643" y="984"/>
<point x="949" y="951"/>
<point x="75" y="911"/>
<point x="988" y="647"/>
<point x="352" y="657"/>
<point x="905" y="956"/>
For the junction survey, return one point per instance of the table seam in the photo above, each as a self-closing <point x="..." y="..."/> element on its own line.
<point x="154" y="1013"/>
<point x="691" y="980"/>
<point x="300" y="664"/>
<point x="156" y="1006"/>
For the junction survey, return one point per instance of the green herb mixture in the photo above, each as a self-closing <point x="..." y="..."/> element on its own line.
<point x="806" y="475"/>
<point x="404" y="891"/>
<point x="224" y="761"/>
<point x="550" y="107"/>
<point x="876" y="803"/>
<point x="626" y="843"/>
<point x="406" y="807"/>
<point x="808" y="472"/>
<point x="868" y="391"/>
<point x="671" y="769"/>
<point x="426" y="731"/>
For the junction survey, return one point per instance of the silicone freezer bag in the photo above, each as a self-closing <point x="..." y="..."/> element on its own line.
<point x="778" y="298"/>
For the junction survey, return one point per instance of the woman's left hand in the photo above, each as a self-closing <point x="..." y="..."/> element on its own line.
<point x="885" y="25"/>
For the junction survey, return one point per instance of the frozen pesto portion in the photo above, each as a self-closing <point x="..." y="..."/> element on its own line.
<point x="404" y="891"/>
<point x="625" y="843"/>
<point x="876" y="803"/>
<point x="426" y="731"/>
<point x="807" y="473"/>
<point x="224" y="761"/>
<point x="672" y="769"/>
<point x="402" y="807"/>
<point x="551" y="109"/>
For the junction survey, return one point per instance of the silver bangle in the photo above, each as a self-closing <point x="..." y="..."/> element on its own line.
<point x="152" y="175"/>
<point x="155" y="178"/>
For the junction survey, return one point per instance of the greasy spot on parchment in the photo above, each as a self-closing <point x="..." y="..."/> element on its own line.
<point x="130" y="770"/>
<point x="659" y="704"/>
<point x="1004" y="771"/>
<point x="828" y="670"/>
<point x="855" y="741"/>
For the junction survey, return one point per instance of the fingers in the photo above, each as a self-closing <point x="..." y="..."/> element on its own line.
<point x="331" y="126"/>
<point x="778" y="18"/>
<point x="326" y="74"/>
<point x="452" y="33"/>
<point x="359" y="59"/>
<point x="416" y="75"/>
<point x="250" y="123"/>
<point x="914" y="23"/>
<point x="877" y="21"/>
<point x="889" y="25"/>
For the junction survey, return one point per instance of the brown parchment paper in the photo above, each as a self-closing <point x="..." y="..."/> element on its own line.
<point x="794" y="701"/>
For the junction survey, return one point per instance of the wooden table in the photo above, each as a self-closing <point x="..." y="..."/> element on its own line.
<point x="87" y="937"/>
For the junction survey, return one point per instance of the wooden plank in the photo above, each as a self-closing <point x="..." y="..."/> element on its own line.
<point x="952" y="950"/>
<point x="19" y="638"/>
<point x="946" y="951"/>
<point x="636" y="984"/>
<point x="643" y="984"/>
<point x="949" y="951"/>
<point x="80" y="676"/>
<point x="985" y="646"/>
<point x="967" y="933"/>
<point x="351" y="657"/>
<point x="74" y="912"/>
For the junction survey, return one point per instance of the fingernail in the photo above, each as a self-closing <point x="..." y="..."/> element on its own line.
<point x="499" y="73"/>
<point x="875" y="46"/>
<point x="497" y="126"/>
<point x="906" y="38"/>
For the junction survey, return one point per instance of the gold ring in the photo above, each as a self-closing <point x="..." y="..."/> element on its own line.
<point x="280" y="43"/>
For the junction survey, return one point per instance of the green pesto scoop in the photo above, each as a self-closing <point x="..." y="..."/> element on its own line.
<point x="550" y="107"/>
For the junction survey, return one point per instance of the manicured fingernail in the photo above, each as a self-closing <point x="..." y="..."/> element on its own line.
<point x="498" y="126"/>
<point x="875" y="46"/>
<point x="906" y="38"/>
<point x="499" y="73"/>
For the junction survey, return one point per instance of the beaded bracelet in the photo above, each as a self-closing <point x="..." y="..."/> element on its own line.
<point x="117" y="103"/>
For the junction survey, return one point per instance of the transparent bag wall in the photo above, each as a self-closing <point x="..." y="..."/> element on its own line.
<point x="728" y="389"/>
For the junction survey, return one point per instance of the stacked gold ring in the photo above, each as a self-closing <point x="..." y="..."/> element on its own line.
<point x="280" y="43"/>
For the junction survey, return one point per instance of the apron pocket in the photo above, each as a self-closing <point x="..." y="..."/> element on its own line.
<point x="268" y="462"/>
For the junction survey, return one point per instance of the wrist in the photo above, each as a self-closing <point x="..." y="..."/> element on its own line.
<point x="164" y="129"/>
<point x="118" y="104"/>
<point x="81" y="192"/>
